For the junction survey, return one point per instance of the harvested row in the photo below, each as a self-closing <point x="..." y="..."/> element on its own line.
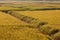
<point x="48" y="30"/>
<point x="57" y="36"/>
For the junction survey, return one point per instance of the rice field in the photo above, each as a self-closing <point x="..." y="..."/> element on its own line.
<point x="50" y="16"/>
<point x="13" y="28"/>
<point x="6" y="19"/>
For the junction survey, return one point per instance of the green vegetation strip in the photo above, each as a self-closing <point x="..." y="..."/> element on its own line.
<point x="30" y="9"/>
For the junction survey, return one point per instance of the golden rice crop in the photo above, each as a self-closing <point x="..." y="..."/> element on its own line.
<point x="51" y="16"/>
<point x="6" y="19"/>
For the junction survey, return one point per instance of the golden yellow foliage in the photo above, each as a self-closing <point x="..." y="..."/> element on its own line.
<point x="11" y="28"/>
<point x="6" y="19"/>
<point x="50" y="16"/>
<point x="20" y="33"/>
